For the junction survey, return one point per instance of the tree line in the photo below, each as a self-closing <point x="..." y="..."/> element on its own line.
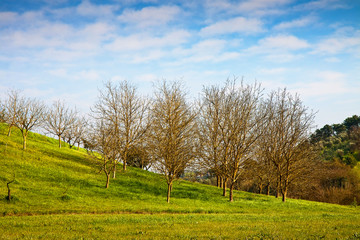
<point x="231" y="130"/>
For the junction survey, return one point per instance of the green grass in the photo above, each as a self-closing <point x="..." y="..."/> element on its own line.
<point x="60" y="194"/>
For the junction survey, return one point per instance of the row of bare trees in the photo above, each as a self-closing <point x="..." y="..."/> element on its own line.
<point x="238" y="129"/>
<point x="230" y="128"/>
<point x="161" y="129"/>
<point x="27" y="113"/>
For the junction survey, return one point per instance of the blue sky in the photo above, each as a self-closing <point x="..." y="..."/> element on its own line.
<point x="60" y="49"/>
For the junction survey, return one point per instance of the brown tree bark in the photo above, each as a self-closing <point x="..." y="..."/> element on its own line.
<point x="231" y="195"/>
<point x="107" y="180"/>
<point x="169" y="192"/>
<point x="24" y="142"/>
<point x="224" y="187"/>
<point x="9" y="191"/>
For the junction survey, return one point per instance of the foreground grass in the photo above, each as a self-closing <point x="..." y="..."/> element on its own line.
<point x="60" y="194"/>
<point x="182" y="226"/>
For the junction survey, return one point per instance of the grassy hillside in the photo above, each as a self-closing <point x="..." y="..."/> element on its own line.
<point x="64" y="189"/>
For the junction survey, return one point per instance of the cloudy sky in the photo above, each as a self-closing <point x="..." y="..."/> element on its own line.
<point x="62" y="49"/>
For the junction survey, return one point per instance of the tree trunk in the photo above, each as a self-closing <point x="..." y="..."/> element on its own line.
<point x="260" y="188"/>
<point x="169" y="192"/>
<point x="59" y="141"/>
<point x="124" y="165"/>
<point x="124" y="160"/>
<point x="231" y="192"/>
<point x="107" y="180"/>
<point x="224" y="187"/>
<point x="24" y="142"/>
<point x="217" y="181"/>
<point x="9" y="191"/>
<point x="268" y="189"/>
<point x="114" y="172"/>
<point x="285" y="189"/>
<point x="9" y="132"/>
<point x="277" y="188"/>
<point x="284" y="195"/>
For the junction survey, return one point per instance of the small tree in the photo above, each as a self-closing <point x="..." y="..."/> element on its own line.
<point x="102" y="146"/>
<point x="76" y="132"/>
<point x="30" y="115"/>
<point x="171" y="137"/>
<point x="59" y="119"/>
<point x="11" y="108"/>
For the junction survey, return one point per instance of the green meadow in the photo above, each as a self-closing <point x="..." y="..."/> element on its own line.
<point x="60" y="194"/>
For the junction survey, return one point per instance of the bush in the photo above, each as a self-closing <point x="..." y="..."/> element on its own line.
<point x="350" y="160"/>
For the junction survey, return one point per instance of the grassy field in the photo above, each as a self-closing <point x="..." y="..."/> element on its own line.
<point x="60" y="194"/>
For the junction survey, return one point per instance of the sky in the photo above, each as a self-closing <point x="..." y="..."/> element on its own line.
<point x="62" y="49"/>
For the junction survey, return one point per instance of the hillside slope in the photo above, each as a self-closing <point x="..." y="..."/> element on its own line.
<point x="51" y="180"/>
<point x="65" y="191"/>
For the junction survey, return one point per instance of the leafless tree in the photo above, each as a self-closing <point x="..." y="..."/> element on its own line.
<point x="30" y="115"/>
<point x="126" y="111"/>
<point x="75" y="133"/>
<point x="243" y="124"/>
<point x="231" y="121"/>
<point x="59" y="119"/>
<point x="11" y="108"/>
<point x="211" y="149"/>
<point x="102" y="146"/>
<point x="285" y="142"/>
<point x="171" y="138"/>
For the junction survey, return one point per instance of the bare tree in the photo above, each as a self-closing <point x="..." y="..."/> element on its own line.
<point x="76" y="132"/>
<point x="102" y="146"/>
<point x="126" y="111"/>
<point x="30" y="115"/>
<point x="59" y="119"/>
<point x="243" y="124"/>
<point x="285" y="142"/>
<point x="211" y="148"/>
<point x="11" y="108"/>
<point x="171" y="137"/>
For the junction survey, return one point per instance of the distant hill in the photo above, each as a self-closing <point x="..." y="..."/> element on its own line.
<point x="340" y="142"/>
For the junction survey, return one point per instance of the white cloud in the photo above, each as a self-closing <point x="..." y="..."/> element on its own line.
<point x="287" y="42"/>
<point x="60" y="55"/>
<point x="302" y="22"/>
<point x="150" y="16"/>
<point x="252" y="5"/>
<point x="60" y="72"/>
<point x="7" y="18"/>
<point x="325" y="84"/>
<point x="86" y="8"/>
<point x="143" y="41"/>
<point x="235" y="25"/>
<point x="87" y="75"/>
<point x="332" y="60"/>
<point x="280" y="48"/>
<point x="322" y="4"/>
<point x="335" y="45"/>
<point x="147" y="56"/>
<point x="272" y="71"/>
<point x="248" y="7"/>
<point x="278" y="45"/>
<point x="149" y="77"/>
